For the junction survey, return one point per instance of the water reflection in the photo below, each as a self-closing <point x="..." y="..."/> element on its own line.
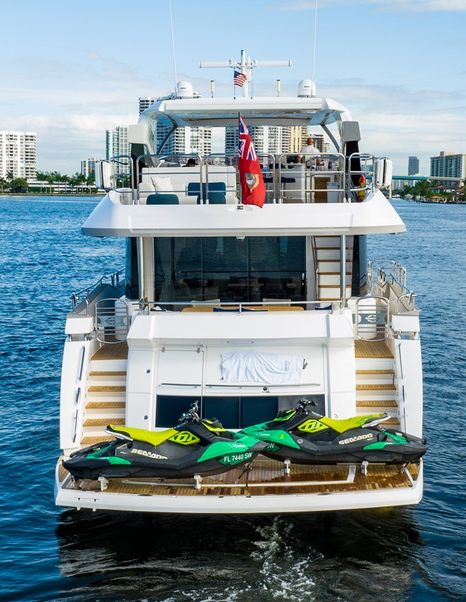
<point x="335" y="556"/>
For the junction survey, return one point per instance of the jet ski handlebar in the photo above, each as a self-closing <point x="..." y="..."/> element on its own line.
<point x="192" y="415"/>
<point x="303" y="403"/>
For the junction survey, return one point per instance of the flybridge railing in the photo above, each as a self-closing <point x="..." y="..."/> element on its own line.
<point x="289" y="177"/>
<point x="311" y="178"/>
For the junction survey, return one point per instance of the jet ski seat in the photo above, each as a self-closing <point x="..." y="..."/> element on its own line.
<point x="352" y="423"/>
<point x="130" y="434"/>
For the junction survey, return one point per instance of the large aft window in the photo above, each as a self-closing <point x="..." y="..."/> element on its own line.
<point x="230" y="269"/>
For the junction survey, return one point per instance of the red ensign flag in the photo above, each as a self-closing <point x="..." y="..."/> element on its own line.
<point x="250" y="174"/>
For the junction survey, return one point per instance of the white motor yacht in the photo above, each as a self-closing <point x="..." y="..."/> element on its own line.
<point x="207" y="275"/>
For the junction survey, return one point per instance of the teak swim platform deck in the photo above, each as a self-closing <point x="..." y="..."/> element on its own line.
<point x="265" y="477"/>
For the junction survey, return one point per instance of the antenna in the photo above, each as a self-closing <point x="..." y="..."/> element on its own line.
<point x="173" y="44"/>
<point x="245" y="66"/>
<point x="315" y="36"/>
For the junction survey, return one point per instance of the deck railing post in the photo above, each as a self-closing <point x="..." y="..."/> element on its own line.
<point x="343" y="269"/>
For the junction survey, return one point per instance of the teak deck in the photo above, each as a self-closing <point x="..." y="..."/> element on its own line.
<point x="265" y="477"/>
<point x="116" y="351"/>
<point x="367" y="349"/>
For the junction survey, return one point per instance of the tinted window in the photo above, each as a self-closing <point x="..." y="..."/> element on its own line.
<point x="230" y="269"/>
<point x="233" y="412"/>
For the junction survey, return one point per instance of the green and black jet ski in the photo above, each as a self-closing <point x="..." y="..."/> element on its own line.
<point x="195" y="446"/>
<point x="304" y="436"/>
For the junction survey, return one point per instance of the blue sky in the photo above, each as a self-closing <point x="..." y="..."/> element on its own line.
<point x="69" y="70"/>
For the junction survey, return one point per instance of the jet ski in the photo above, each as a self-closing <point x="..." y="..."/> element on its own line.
<point x="194" y="447"/>
<point x="304" y="436"/>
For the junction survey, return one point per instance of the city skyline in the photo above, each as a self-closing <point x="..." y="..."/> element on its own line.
<point x="69" y="83"/>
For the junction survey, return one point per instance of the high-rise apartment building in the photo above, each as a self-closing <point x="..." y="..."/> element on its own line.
<point x="88" y="167"/>
<point x="449" y="165"/>
<point x="183" y="140"/>
<point x="145" y="102"/>
<point x="267" y="139"/>
<point x="413" y="166"/>
<point x="276" y="140"/>
<point x="116" y="143"/>
<point x="18" y="154"/>
<point x="300" y="133"/>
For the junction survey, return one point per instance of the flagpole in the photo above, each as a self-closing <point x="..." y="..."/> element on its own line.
<point x="240" y="187"/>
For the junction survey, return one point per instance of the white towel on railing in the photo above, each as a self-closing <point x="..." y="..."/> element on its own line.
<point x="267" y="368"/>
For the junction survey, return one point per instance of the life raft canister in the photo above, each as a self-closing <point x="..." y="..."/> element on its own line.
<point x="361" y="194"/>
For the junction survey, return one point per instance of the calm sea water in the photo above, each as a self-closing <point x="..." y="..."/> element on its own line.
<point x="52" y="554"/>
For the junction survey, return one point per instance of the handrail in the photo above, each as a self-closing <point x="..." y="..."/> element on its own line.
<point x="111" y="325"/>
<point x="114" y="282"/>
<point x="334" y="166"/>
<point x="160" y="159"/>
<point x="397" y="275"/>
<point x="146" y="306"/>
<point x="372" y="327"/>
<point x="315" y="264"/>
<point x="118" y="160"/>
<point x="411" y="299"/>
<point x="310" y="167"/>
<point x="402" y="397"/>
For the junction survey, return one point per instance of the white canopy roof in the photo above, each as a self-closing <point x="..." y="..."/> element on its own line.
<point x="256" y="111"/>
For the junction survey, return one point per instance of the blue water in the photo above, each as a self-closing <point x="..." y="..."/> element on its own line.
<point x="51" y="554"/>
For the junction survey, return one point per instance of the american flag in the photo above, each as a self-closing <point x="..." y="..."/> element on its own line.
<point x="246" y="147"/>
<point x="239" y="78"/>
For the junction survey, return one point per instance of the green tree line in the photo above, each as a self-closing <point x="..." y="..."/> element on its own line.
<point x="426" y="189"/>
<point x="11" y="184"/>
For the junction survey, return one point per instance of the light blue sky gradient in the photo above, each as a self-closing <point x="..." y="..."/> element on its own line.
<point x="69" y="70"/>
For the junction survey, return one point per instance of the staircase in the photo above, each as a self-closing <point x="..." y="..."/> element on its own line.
<point x="105" y="400"/>
<point x="328" y="267"/>
<point x="375" y="381"/>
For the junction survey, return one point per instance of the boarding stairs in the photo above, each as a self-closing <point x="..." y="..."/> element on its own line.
<point x="327" y="256"/>
<point x="105" y="399"/>
<point x="375" y="381"/>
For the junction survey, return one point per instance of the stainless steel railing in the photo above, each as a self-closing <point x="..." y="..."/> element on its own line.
<point x="311" y="178"/>
<point x="372" y="317"/>
<point x="111" y="320"/>
<point x="287" y="177"/>
<point x="239" y="306"/>
<point x="395" y="275"/>
<point x="84" y="293"/>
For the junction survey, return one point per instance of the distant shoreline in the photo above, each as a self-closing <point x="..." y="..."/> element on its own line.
<point x="70" y="194"/>
<point x="429" y="202"/>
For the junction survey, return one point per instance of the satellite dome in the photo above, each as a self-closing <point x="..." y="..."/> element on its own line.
<point x="306" y="88"/>
<point x="184" y="89"/>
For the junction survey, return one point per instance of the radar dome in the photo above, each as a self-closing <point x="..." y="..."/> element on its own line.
<point x="306" y="88"/>
<point x="184" y="89"/>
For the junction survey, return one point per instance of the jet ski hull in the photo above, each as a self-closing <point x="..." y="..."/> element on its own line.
<point x="353" y="452"/>
<point x="306" y="437"/>
<point x="120" y="459"/>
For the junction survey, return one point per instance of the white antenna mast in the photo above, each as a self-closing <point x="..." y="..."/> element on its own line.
<point x="173" y="44"/>
<point x="244" y="66"/>
<point x="315" y="37"/>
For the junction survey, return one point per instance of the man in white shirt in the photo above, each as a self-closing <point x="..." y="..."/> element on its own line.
<point x="310" y="149"/>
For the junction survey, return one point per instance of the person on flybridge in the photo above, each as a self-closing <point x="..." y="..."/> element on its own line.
<point x="309" y="151"/>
